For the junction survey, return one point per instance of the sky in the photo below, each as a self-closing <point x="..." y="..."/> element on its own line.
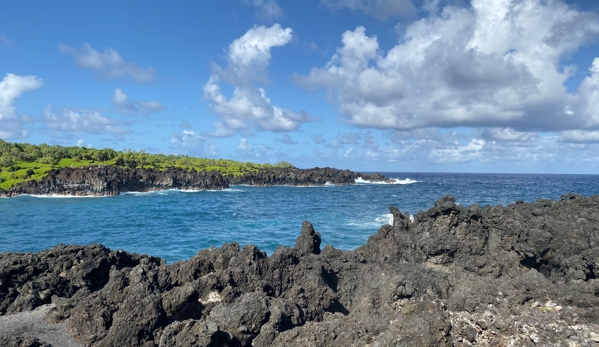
<point x="506" y="86"/>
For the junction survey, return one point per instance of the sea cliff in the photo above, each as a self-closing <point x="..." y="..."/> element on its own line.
<point x="113" y="180"/>
<point x="521" y="275"/>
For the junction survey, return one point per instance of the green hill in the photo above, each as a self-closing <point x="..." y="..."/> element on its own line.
<point x="21" y="162"/>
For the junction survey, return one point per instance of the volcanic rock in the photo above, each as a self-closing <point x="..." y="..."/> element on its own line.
<point x="523" y="274"/>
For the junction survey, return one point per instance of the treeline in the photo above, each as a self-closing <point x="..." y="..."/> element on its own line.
<point x="22" y="161"/>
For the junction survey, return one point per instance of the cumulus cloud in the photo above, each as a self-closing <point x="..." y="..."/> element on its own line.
<point x="123" y="104"/>
<point x="109" y="63"/>
<point x="495" y="64"/>
<point x="268" y="9"/>
<point x="89" y="122"/>
<point x="193" y="143"/>
<point x="249" y="107"/>
<point x="380" y="9"/>
<point x="287" y="140"/>
<point x="246" y="150"/>
<point x="11" y="87"/>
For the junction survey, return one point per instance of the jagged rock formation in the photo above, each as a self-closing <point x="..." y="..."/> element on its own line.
<point x="521" y="275"/>
<point x="112" y="180"/>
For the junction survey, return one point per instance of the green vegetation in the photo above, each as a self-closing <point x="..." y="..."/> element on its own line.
<point x="21" y="162"/>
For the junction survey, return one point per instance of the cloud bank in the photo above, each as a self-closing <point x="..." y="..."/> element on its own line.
<point x="496" y="64"/>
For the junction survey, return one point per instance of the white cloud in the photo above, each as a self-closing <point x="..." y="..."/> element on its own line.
<point x="249" y="107"/>
<point x="125" y="105"/>
<point x="11" y="87"/>
<point x="245" y="148"/>
<point x="507" y="135"/>
<point x="193" y="143"/>
<point x="579" y="136"/>
<point x="458" y="153"/>
<point x="496" y="64"/>
<point x="588" y="93"/>
<point x="109" y="63"/>
<point x="268" y="9"/>
<point x="90" y="122"/>
<point x="380" y="9"/>
<point x="435" y="150"/>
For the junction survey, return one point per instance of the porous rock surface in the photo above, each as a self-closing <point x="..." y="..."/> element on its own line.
<point x="113" y="180"/>
<point x="519" y="275"/>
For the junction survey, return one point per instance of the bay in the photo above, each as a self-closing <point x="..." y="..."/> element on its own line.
<point x="175" y="224"/>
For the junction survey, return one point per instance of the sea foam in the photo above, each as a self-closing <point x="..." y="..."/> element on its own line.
<point x="360" y="180"/>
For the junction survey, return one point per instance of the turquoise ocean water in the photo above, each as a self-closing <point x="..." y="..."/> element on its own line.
<point x="174" y="224"/>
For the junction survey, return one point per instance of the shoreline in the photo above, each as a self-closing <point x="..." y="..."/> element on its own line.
<point x="113" y="180"/>
<point x="454" y="275"/>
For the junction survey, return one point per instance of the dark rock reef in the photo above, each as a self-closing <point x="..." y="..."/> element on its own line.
<point x="303" y="177"/>
<point x="520" y="275"/>
<point x="112" y="180"/>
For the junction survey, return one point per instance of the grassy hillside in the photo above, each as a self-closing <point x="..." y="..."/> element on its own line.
<point x="21" y="162"/>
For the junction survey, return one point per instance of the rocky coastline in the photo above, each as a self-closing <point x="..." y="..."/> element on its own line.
<point x="519" y="275"/>
<point x="114" y="180"/>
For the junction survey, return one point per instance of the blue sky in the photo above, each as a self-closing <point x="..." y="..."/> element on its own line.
<point x="387" y="85"/>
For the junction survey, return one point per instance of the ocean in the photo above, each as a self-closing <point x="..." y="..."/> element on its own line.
<point x="174" y="225"/>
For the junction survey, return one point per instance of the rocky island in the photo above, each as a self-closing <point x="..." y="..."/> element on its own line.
<point x="519" y="275"/>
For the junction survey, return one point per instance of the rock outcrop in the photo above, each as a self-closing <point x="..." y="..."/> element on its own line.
<point x="303" y="177"/>
<point x="521" y="275"/>
<point x="113" y="180"/>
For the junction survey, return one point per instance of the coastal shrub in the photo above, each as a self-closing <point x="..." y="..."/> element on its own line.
<point x="42" y="158"/>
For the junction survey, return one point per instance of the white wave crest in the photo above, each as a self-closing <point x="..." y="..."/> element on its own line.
<point x="360" y="180"/>
<point x="230" y="190"/>
<point x="385" y="219"/>
<point x="59" y="196"/>
<point x="378" y="221"/>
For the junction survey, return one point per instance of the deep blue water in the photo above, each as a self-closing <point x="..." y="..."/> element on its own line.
<point x="174" y="225"/>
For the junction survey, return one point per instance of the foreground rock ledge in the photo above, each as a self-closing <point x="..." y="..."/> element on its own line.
<point x="520" y="275"/>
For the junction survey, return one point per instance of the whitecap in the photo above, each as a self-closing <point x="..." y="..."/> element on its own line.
<point x="377" y="223"/>
<point x="360" y="180"/>
<point x="230" y="190"/>
<point x="385" y="219"/>
<point x="59" y="196"/>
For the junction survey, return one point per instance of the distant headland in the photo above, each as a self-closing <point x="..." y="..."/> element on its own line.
<point x="48" y="170"/>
